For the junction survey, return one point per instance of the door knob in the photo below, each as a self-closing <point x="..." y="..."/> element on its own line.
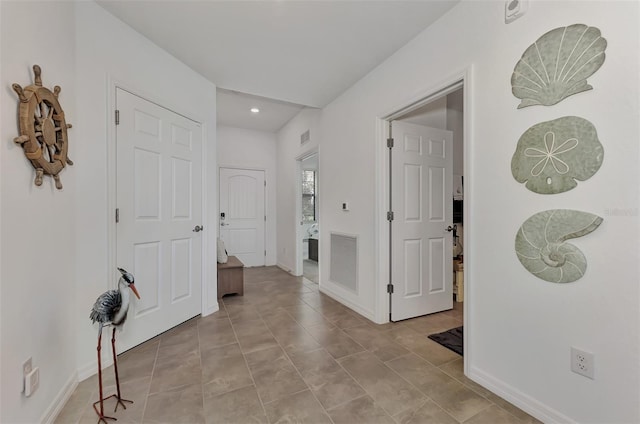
<point x="198" y="228"/>
<point x="450" y="228"/>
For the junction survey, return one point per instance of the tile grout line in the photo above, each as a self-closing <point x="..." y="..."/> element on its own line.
<point x="367" y="350"/>
<point x="481" y="411"/>
<point x="307" y="298"/>
<point x="433" y="400"/>
<point x="246" y="363"/>
<point x="153" y="370"/>
<point x="370" y="395"/>
<point x="418" y="389"/>
<point x="384" y="364"/>
<point x="411" y="351"/>
<point x="294" y="366"/>
<point x="413" y="385"/>
<point x="344" y="369"/>
<point x="476" y="392"/>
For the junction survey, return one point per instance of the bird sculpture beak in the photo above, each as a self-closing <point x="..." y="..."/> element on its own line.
<point x="134" y="290"/>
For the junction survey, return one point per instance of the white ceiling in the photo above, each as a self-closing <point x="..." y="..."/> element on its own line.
<point x="234" y="110"/>
<point x="300" y="52"/>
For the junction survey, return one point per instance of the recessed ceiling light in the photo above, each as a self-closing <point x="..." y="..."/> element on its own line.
<point x="255" y="110"/>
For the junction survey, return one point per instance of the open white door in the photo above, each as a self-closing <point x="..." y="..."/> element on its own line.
<point x="422" y="168"/>
<point x="159" y="201"/>
<point x="242" y="217"/>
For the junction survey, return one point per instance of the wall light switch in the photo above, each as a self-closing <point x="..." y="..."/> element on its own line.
<point x="513" y="9"/>
<point x="345" y="206"/>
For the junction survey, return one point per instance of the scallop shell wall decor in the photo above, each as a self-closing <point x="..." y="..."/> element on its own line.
<point x="542" y="248"/>
<point x="557" y="65"/>
<point x="552" y="155"/>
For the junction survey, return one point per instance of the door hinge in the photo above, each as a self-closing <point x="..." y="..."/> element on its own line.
<point x="265" y="218"/>
<point x="265" y="183"/>
<point x="389" y="216"/>
<point x="117" y="117"/>
<point x="265" y="253"/>
<point x="117" y="215"/>
<point x="390" y="288"/>
<point x="390" y="143"/>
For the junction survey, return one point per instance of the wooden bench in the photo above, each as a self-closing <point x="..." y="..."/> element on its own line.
<point x="231" y="277"/>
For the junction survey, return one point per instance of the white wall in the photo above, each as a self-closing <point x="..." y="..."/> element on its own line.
<point x="288" y="150"/>
<point x="512" y="317"/>
<point x="37" y="223"/>
<point x="108" y="51"/>
<point x="55" y="252"/>
<point x="250" y="149"/>
<point x="433" y="114"/>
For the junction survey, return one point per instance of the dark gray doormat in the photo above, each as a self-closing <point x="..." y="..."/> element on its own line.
<point x="451" y="339"/>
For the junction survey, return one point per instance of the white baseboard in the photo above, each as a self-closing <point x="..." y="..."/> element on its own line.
<point x="60" y="400"/>
<point x="211" y="309"/>
<point x="523" y="401"/>
<point x="91" y="368"/>
<point x="285" y="268"/>
<point x="336" y="296"/>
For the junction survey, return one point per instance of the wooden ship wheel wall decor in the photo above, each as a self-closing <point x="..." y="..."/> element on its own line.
<point x="43" y="129"/>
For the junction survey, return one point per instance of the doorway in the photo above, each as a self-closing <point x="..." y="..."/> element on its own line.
<point x="159" y="214"/>
<point x="309" y="232"/>
<point x="242" y="214"/>
<point x="426" y="258"/>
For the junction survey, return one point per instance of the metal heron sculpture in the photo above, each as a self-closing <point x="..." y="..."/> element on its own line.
<point x="111" y="309"/>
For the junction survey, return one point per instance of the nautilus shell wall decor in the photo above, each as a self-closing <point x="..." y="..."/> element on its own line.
<point x="552" y="155"/>
<point x="542" y="248"/>
<point x="558" y="64"/>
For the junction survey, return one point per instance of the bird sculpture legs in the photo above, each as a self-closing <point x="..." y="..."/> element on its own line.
<point x="115" y="367"/>
<point x="101" y="417"/>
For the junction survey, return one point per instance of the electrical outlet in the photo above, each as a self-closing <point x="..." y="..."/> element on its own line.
<point x="26" y="369"/>
<point x="32" y="382"/>
<point x="582" y="362"/>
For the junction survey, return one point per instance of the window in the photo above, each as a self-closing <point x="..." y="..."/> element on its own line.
<point x="308" y="196"/>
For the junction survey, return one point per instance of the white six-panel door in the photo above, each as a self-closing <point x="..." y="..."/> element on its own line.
<point x="423" y="209"/>
<point x="242" y="202"/>
<point x="159" y="198"/>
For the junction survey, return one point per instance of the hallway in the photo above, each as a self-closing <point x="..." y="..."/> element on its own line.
<point x="310" y="271"/>
<point x="286" y="353"/>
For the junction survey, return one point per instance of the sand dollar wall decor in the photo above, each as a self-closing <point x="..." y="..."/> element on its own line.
<point x="542" y="248"/>
<point x="43" y="129"/>
<point x="552" y="155"/>
<point x="558" y="64"/>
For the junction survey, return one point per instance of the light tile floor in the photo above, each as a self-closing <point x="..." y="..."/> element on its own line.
<point x="284" y="352"/>
<point x="310" y="270"/>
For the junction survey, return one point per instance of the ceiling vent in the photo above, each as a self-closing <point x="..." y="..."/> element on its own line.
<point x="304" y="137"/>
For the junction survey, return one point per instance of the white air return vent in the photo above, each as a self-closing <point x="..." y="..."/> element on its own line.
<point x="304" y="137"/>
<point x="343" y="267"/>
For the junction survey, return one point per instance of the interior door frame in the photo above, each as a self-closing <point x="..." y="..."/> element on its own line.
<point x="299" y="266"/>
<point x="113" y="85"/>
<point x="266" y="199"/>
<point x="382" y="236"/>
